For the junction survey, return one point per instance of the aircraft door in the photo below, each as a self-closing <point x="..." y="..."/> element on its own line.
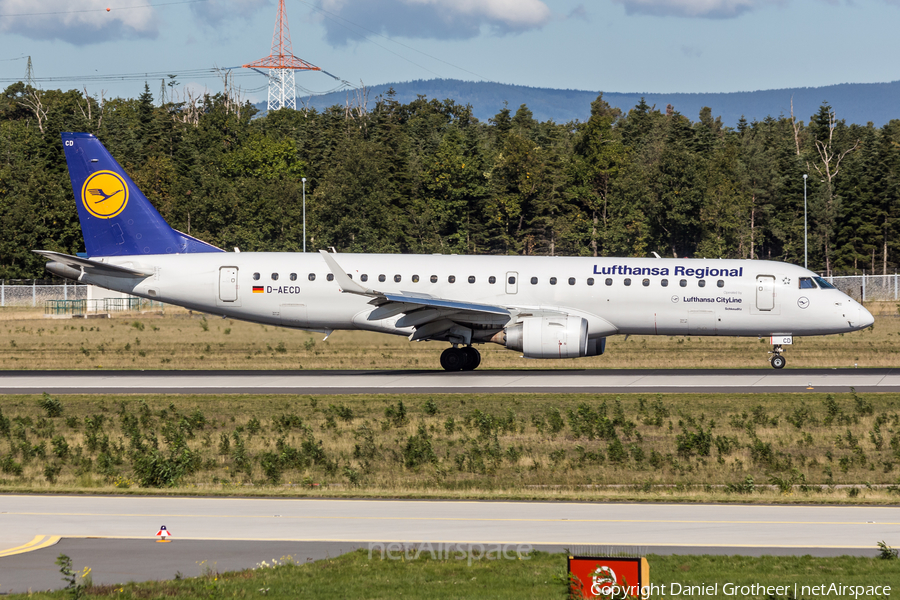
<point x="228" y="284"/>
<point x="512" y="282"/>
<point x="765" y="292"/>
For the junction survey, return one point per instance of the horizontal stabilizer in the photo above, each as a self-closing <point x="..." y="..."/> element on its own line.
<point x="93" y="267"/>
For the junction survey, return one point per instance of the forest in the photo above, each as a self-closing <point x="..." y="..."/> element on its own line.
<point x="427" y="177"/>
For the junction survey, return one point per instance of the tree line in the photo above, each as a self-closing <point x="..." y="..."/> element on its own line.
<point x="428" y="177"/>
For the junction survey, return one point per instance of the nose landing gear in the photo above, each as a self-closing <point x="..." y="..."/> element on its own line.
<point x="465" y="358"/>
<point x="777" y="360"/>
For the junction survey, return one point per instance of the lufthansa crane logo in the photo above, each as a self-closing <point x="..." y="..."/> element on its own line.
<point x="104" y="194"/>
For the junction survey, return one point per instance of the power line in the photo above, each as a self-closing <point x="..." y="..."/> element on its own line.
<point x="327" y="13"/>
<point x="92" y="10"/>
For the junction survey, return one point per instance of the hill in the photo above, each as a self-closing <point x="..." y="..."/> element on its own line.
<point x="854" y="102"/>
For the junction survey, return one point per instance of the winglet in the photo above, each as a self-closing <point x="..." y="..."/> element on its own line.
<point x="347" y="285"/>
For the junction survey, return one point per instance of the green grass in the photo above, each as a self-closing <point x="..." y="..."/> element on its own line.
<point x="541" y="576"/>
<point x="181" y="340"/>
<point x="807" y="447"/>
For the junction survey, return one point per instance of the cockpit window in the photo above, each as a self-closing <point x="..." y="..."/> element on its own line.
<point x="806" y="283"/>
<point x="824" y="284"/>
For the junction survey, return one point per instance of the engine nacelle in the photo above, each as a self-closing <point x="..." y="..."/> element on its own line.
<point x="550" y="337"/>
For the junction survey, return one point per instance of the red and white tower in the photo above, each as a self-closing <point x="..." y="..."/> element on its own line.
<point x="281" y="64"/>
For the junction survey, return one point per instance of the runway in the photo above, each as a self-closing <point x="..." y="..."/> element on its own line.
<point x="115" y="535"/>
<point x="594" y="381"/>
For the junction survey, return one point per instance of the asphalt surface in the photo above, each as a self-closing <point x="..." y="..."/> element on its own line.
<point x="115" y="535"/>
<point x="407" y="382"/>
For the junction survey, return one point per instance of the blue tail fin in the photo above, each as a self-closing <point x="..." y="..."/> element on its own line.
<point x="116" y="218"/>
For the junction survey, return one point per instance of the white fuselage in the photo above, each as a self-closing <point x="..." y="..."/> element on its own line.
<point x="615" y="295"/>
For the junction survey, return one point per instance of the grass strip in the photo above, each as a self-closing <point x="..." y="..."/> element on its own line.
<point x="540" y="575"/>
<point x="807" y="447"/>
<point x="179" y="339"/>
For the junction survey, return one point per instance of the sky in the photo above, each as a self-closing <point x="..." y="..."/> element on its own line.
<point x="602" y="45"/>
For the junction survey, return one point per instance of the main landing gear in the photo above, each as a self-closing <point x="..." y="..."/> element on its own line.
<point x="465" y="358"/>
<point x="777" y="359"/>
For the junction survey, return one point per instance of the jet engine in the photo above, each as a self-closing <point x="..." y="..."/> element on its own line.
<point x="552" y="337"/>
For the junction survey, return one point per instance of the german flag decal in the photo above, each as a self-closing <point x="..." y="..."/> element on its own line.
<point x="258" y="289"/>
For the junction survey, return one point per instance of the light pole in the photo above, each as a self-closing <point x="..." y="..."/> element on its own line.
<point x="304" y="210"/>
<point x="805" y="261"/>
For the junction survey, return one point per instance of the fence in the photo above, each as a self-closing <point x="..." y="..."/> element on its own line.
<point x="66" y="298"/>
<point x="869" y="288"/>
<point x="864" y="288"/>
<point x="35" y="294"/>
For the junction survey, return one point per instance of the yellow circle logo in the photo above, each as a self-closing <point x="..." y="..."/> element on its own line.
<point x="104" y="194"/>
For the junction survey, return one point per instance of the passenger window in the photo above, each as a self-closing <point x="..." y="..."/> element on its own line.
<point x="471" y="279"/>
<point x="534" y="281"/>
<point x="664" y="283"/>
<point x="415" y="279"/>
<point x="312" y="276"/>
<point x="350" y="275"/>
<point x="452" y="279"/>
<point x="683" y="283"/>
<point x="571" y="281"/>
<point x="434" y="279"/>
<point x="274" y="276"/>
<point x="645" y="283"/>
<point x="363" y="277"/>
<point x="382" y="278"/>
<point x="702" y="283"/>
<point x="293" y="277"/>
<point x="512" y="280"/>
<point x="492" y="280"/>
<point x="608" y="281"/>
<point x="553" y="281"/>
<point x="806" y="283"/>
<point x="720" y="283"/>
<point x="627" y="281"/>
<point x="330" y="277"/>
<point x="397" y="279"/>
<point x="256" y="277"/>
<point x="590" y="281"/>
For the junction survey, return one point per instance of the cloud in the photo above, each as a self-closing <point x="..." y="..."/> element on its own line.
<point x="579" y="12"/>
<point x="90" y="23"/>
<point x="712" y="9"/>
<point x="691" y="51"/>
<point x="440" y="19"/>
<point x="213" y="12"/>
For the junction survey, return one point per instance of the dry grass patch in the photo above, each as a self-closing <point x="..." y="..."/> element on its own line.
<point x="183" y="340"/>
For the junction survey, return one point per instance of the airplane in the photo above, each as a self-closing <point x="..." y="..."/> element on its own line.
<point x="543" y="307"/>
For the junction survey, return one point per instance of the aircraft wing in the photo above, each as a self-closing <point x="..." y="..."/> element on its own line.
<point x="431" y="316"/>
<point x="94" y="267"/>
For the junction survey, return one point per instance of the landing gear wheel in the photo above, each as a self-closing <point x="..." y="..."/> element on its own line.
<point x="778" y="361"/>
<point x="454" y="359"/>
<point x="473" y="358"/>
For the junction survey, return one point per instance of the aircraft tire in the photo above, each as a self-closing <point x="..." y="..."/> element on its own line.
<point x="778" y="362"/>
<point x="454" y="359"/>
<point x="473" y="357"/>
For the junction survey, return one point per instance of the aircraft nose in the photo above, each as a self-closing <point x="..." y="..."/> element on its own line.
<point x="865" y="318"/>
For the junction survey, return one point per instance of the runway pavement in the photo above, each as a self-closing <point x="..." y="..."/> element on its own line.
<point x="407" y="381"/>
<point x="115" y="535"/>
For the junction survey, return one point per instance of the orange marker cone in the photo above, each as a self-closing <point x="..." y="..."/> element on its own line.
<point x="163" y="534"/>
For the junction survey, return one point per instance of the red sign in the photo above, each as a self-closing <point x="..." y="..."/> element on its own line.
<point x="608" y="577"/>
